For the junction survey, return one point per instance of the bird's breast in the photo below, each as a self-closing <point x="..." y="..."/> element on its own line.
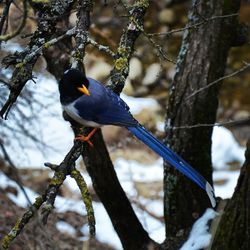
<point x="72" y="112"/>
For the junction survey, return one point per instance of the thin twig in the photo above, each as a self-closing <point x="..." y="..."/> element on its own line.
<point x="101" y="47"/>
<point x="247" y="65"/>
<point x="46" y="201"/>
<point x="160" y="51"/>
<point x="5" y="82"/>
<point x="46" y="45"/>
<point x="195" y="25"/>
<point x="217" y="124"/>
<point x="17" y="179"/>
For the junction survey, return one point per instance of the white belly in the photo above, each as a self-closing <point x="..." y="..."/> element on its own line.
<point x="72" y="112"/>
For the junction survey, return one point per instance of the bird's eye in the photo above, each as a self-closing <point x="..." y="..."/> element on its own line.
<point x="84" y="90"/>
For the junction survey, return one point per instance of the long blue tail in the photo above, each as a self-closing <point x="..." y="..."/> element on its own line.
<point x="173" y="159"/>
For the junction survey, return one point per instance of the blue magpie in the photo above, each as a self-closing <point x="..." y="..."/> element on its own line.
<point x="91" y="104"/>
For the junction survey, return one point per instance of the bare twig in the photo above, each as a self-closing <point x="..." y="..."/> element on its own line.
<point x="101" y="47"/>
<point x="82" y="32"/>
<point x="247" y="65"/>
<point x="217" y="124"/>
<point x="135" y="24"/>
<point x="17" y="177"/>
<point x="195" y="25"/>
<point x="46" y="45"/>
<point x="5" y="82"/>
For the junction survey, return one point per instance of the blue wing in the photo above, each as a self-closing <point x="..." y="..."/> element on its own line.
<point x="103" y="106"/>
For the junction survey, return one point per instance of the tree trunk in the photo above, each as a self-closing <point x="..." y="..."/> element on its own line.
<point x="233" y="231"/>
<point x="201" y="60"/>
<point x="109" y="190"/>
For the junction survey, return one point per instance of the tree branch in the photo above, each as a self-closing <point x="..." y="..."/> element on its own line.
<point x="47" y="199"/>
<point x="22" y="62"/>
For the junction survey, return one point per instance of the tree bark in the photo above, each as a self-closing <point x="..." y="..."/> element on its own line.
<point x="201" y="60"/>
<point x="233" y="230"/>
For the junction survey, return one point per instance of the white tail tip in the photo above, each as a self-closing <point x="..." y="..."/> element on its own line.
<point x="211" y="195"/>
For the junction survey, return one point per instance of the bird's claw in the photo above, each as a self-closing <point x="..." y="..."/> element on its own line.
<point x="86" y="138"/>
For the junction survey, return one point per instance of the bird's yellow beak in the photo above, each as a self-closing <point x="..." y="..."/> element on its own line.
<point x="84" y="90"/>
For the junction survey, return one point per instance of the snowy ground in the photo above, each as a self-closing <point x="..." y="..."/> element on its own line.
<point x="57" y="134"/>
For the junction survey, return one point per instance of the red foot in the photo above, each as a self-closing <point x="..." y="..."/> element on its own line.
<point x="86" y="138"/>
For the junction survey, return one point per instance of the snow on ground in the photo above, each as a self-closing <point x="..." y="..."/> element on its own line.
<point x="226" y="190"/>
<point x="65" y="227"/>
<point x="199" y="236"/>
<point x="137" y="104"/>
<point x="140" y="172"/>
<point x="18" y="199"/>
<point x="104" y="228"/>
<point x="225" y="148"/>
<point x="11" y="47"/>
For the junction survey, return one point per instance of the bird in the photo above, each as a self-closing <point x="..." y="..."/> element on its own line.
<point x="91" y="104"/>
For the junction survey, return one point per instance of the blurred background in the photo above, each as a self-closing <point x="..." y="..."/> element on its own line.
<point x="35" y="131"/>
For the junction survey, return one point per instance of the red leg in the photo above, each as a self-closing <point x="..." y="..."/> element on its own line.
<point x="87" y="138"/>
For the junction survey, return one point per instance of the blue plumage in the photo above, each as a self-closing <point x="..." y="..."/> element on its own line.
<point x="168" y="155"/>
<point x="104" y="107"/>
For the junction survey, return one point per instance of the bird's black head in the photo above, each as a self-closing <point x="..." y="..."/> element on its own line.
<point x="73" y="84"/>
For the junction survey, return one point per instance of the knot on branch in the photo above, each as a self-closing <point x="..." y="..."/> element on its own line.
<point x="46" y="210"/>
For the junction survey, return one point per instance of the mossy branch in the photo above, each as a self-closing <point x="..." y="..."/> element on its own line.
<point x="25" y="60"/>
<point x="136" y="24"/>
<point x="126" y="46"/>
<point x="86" y="199"/>
<point x="21" y="223"/>
<point x="46" y="201"/>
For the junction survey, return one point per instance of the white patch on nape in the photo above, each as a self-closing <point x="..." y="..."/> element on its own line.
<point x="73" y="113"/>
